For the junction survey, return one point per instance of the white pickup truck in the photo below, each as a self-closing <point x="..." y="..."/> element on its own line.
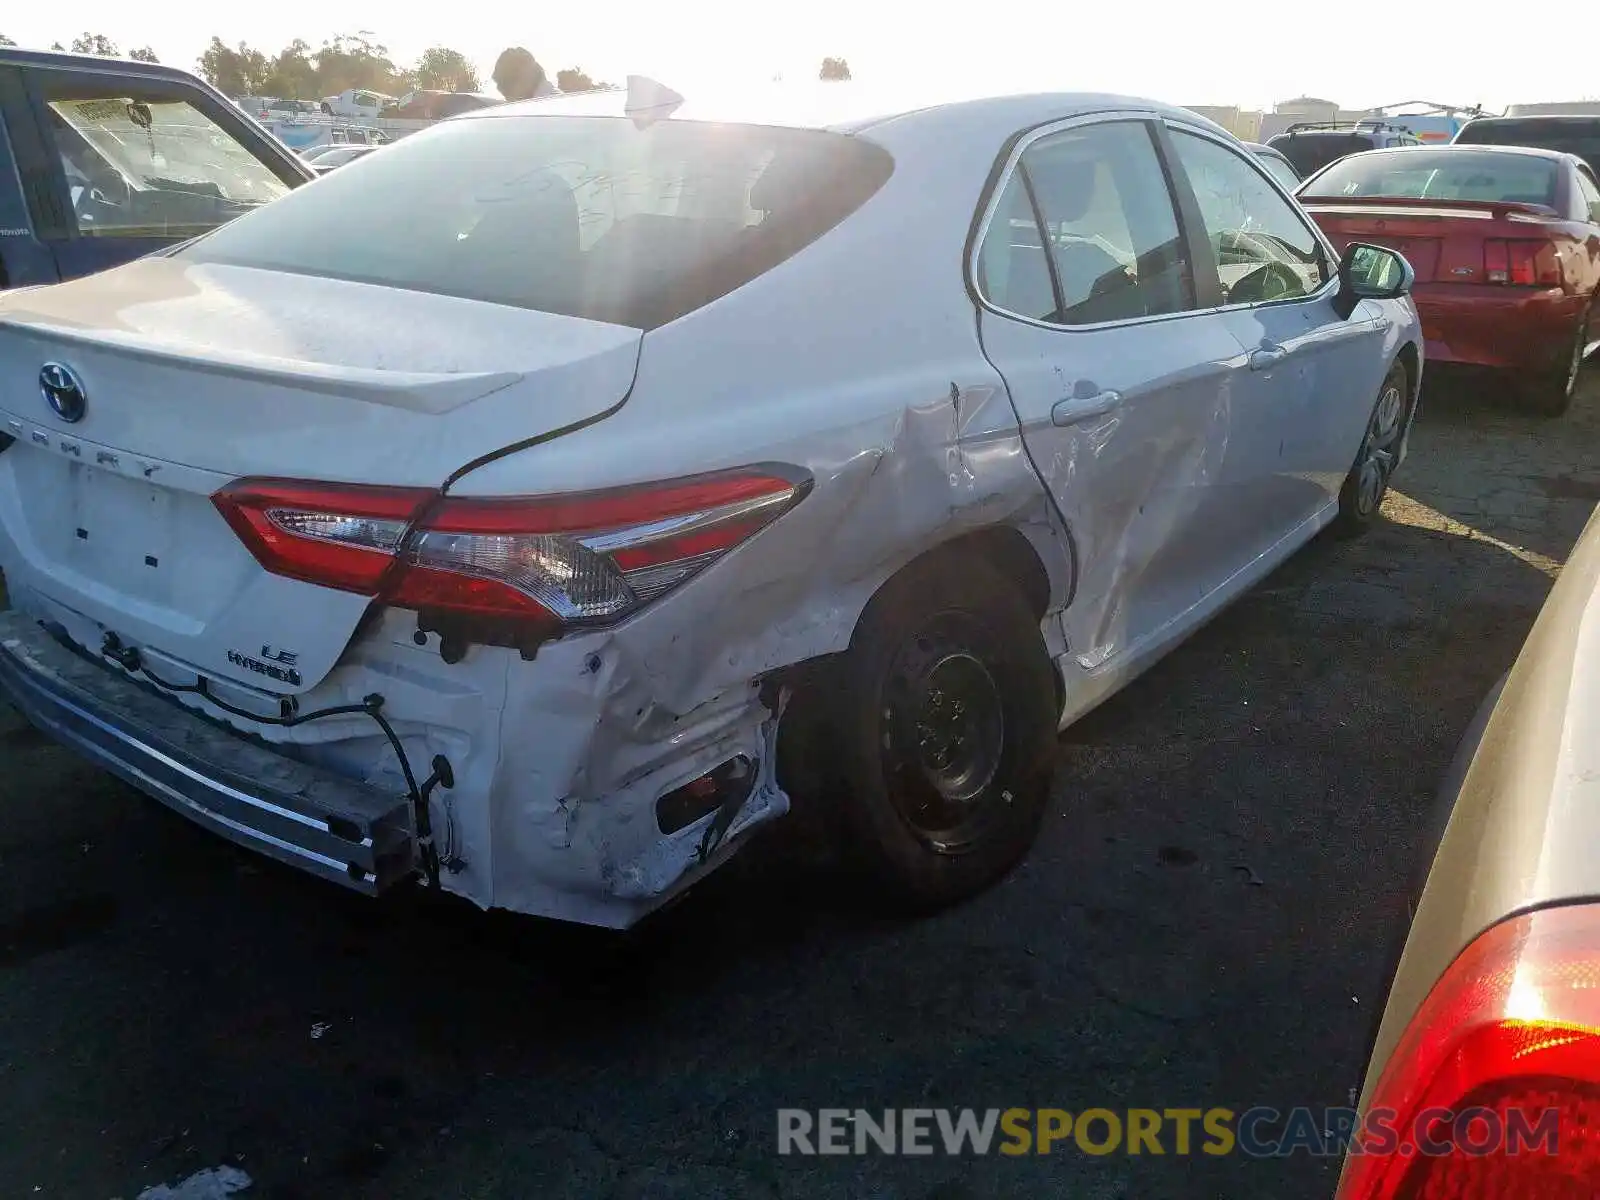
<point x="356" y="102"/>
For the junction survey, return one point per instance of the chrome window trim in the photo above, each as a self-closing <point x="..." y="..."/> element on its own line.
<point x="1329" y="285"/>
<point x="1149" y="119"/>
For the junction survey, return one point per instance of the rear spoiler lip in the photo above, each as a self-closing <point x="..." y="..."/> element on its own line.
<point x="1500" y="210"/>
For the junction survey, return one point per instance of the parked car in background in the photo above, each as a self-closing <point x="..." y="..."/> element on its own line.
<point x="1506" y="246"/>
<point x="1279" y="167"/>
<point x="1569" y="134"/>
<point x="291" y="108"/>
<point x="121" y="159"/>
<point x="466" y="514"/>
<point x="356" y="102"/>
<point x="436" y="106"/>
<point x="333" y="157"/>
<point x="1310" y="146"/>
<point x="1492" y="1021"/>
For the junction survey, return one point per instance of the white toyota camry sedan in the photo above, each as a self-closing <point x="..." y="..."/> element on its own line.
<point x="475" y="514"/>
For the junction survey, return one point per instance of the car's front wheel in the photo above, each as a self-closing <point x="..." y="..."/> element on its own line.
<point x="1368" y="481"/>
<point x="946" y="725"/>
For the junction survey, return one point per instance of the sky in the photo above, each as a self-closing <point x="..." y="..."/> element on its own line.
<point x="1246" y="52"/>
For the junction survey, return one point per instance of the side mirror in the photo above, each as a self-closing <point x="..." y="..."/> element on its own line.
<point x="1368" y="272"/>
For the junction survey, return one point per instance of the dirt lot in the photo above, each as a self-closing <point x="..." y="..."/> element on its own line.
<point x="1203" y="923"/>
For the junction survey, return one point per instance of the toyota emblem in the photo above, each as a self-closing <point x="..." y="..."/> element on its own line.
<point x="63" y="391"/>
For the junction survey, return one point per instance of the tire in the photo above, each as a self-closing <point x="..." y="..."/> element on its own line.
<point x="1550" y="393"/>
<point x="1361" y="497"/>
<point x="946" y="720"/>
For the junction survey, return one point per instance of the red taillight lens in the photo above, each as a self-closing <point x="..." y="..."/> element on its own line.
<point x="1522" y="262"/>
<point x="1511" y="1030"/>
<point x="581" y="559"/>
<point x="339" y="535"/>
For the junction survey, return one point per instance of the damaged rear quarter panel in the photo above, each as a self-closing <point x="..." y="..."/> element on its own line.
<point x="858" y="361"/>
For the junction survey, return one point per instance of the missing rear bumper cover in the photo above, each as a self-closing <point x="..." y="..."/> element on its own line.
<point x="723" y="789"/>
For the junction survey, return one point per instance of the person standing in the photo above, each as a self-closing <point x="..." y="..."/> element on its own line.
<point x="518" y="76"/>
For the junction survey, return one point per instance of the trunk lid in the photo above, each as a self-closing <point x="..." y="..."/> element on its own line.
<point x="1441" y="239"/>
<point x="196" y="374"/>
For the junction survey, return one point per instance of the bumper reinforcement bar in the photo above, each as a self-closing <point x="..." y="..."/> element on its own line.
<point x="296" y="813"/>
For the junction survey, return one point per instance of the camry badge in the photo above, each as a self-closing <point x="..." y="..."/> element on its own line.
<point x="63" y="391"/>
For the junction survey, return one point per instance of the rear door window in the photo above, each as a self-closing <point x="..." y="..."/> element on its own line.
<point x="1085" y="232"/>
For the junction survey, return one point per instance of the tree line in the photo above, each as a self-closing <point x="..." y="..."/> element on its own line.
<point x="96" y="43"/>
<point x="299" y="72"/>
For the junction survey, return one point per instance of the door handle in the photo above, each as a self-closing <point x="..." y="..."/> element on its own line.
<point x="1074" y="409"/>
<point x="1267" y="356"/>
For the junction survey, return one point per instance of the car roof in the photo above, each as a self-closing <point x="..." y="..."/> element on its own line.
<point x="15" y="56"/>
<point x="846" y="107"/>
<point x="1263" y="148"/>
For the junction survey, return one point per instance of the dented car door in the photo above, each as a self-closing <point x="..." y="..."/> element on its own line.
<point x="1311" y="371"/>
<point x="1121" y="384"/>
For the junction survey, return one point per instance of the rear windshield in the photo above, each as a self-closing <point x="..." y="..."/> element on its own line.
<point x="1310" y="152"/>
<point x="588" y="217"/>
<point x="1440" y="175"/>
<point x="1570" y="137"/>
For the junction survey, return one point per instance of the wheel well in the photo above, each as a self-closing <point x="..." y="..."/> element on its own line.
<point x="1004" y="547"/>
<point x="1009" y="551"/>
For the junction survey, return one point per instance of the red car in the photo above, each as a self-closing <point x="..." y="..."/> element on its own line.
<point x="1505" y="242"/>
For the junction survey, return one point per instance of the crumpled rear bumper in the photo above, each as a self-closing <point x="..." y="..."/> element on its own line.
<point x="298" y="814"/>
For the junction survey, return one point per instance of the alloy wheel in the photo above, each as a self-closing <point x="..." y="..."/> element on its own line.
<point x="1380" y="449"/>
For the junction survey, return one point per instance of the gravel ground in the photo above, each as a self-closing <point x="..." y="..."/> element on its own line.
<point x="1202" y="923"/>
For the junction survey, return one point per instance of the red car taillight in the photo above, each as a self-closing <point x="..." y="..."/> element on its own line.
<point x="1523" y="262"/>
<point x="1512" y="1029"/>
<point x="583" y="559"/>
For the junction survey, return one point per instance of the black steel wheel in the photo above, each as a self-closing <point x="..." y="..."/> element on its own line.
<point x="948" y="724"/>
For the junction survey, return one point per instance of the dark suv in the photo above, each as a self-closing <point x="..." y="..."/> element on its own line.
<point x="1310" y="146"/>
<point x="1570" y="135"/>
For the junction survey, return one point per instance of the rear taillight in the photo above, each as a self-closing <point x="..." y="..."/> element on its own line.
<point x="1494" y="1088"/>
<point x="1521" y="262"/>
<point x="583" y="559"/>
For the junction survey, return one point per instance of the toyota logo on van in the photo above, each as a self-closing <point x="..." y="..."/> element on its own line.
<point x="63" y="391"/>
